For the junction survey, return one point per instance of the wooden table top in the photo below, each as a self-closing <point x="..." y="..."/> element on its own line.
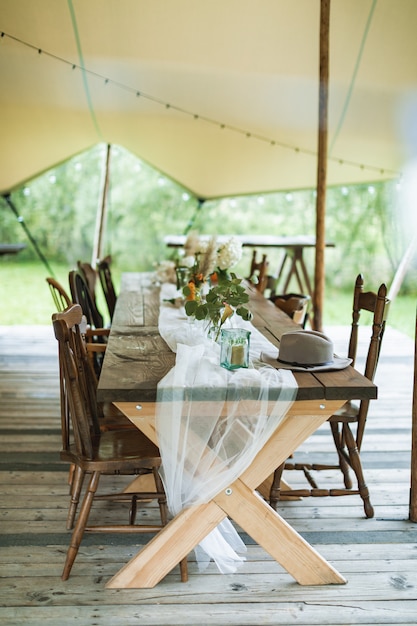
<point x="254" y="241"/>
<point x="137" y="357"/>
<point x="11" y="248"/>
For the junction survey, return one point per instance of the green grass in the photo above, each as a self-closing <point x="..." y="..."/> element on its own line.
<point x="401" y="316"/>
<point x="24" y="293"/>
<point x="25" y="298"/>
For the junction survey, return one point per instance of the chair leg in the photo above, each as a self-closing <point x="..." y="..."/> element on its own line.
<point x="76" y="486"/>
<point x="357" y="468"/>
<point x="163" y="509"/>
<point x="133" y="510"/>
<point x="71" y="474"/>
<point x="339" y="442"/>
<point x="78" y="532"/>
<point x="274" y="493"/>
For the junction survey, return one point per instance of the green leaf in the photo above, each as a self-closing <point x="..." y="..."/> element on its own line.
<point x="190" y="307"/>
<point x="244" y="313"/>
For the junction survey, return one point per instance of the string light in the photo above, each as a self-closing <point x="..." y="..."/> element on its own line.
<point x="196" y="116"/>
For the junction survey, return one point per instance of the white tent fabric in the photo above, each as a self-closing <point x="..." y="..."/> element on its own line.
<point x="220" y="95"/>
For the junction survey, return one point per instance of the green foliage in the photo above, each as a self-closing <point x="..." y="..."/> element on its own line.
<point x="59" y="209"/>
<point x="227" y="291"/>
<point x="365" y="222"/>
<point x="223" y="300"/>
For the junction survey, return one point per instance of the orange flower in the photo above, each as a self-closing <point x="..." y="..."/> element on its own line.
<point x="191" y="287"/>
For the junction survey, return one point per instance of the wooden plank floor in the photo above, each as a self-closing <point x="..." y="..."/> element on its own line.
<point x="378" y="557"/>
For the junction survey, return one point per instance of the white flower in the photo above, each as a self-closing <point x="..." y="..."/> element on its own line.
<point x="187" y="261"/>
<point x="229" y="253"/>
<point x="202" y="247"/>
<point x="165" y="272"/>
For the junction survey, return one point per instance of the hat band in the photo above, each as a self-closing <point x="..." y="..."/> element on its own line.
<point x="304" y="364"/>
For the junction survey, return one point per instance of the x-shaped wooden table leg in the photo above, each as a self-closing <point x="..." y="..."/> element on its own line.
<point x="241" y="503"/>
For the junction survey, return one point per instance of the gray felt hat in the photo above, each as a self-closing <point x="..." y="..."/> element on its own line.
<point x="307" y="350"/>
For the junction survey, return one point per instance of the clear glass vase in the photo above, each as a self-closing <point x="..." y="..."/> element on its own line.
<point x="234" y="348"/>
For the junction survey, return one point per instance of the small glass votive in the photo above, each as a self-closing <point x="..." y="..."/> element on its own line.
<point x="182" y="276"/>
<point x="234" y="348"/>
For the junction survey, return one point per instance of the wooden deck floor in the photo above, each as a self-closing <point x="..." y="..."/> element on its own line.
<point x="378" y="556"/>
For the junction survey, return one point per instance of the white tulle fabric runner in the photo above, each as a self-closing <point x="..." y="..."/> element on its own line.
<point x="211" y="422"/>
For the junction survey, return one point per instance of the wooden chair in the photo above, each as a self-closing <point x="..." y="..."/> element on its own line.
<point x="258" y="274"/>
<point x="89" y="274"/>
<point x="59" y="295"/>
<point x="294" y="305"/>
<point x="105" y="415"/>
<point x="348" y="442"/>
<point x="95" y="345"/>
<point x="95" y="334"/>
<point x="104" y="272"/>
<point x="82" y="294"/>
<point x="91" y="277"/>
<point x="95" y="453"/>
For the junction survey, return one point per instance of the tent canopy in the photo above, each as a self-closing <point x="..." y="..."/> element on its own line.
<point x="220" y="95"/>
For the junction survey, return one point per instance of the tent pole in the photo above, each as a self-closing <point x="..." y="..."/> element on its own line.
<point x="413" y="488"/>
<point x="101" y="212"/>
<point x="318" y="295"/>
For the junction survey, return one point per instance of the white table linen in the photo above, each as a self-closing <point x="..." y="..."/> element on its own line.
<point x="211" y="422"/>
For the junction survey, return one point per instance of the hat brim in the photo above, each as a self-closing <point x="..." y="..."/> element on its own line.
<point x="338" y="363"/>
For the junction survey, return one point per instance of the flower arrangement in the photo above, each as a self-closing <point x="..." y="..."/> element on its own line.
<point x="210" y="266"/>
<point x="202" y="262"/>
<point x="223" y="299"/>
<point x="205" y="257"/>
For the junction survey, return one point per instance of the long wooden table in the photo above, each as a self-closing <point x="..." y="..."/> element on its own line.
<point x="137" y="358"/>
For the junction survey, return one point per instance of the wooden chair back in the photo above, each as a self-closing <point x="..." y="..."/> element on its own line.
<point x="104" y="272"/>
<point x="59" y="295"/>
<point x="294" y="305"/>
<point x="81" y="294"/>
<point x="95" y="333"/>
<point x="376" y="303"/>
<point x="78" y="401"/>
<point x="258" y="274"/>
<point x="90" y="275"/>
